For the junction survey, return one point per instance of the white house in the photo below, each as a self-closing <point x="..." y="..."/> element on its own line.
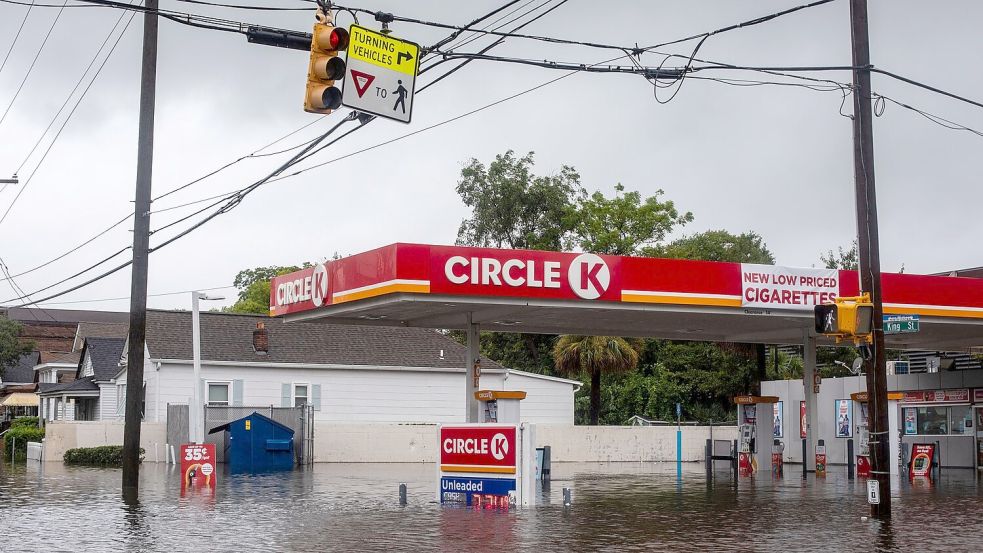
<point x="347" y="373"/>
<point x="92" y="393"/>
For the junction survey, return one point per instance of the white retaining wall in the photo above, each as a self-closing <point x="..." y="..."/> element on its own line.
<point x="417" y="443"/>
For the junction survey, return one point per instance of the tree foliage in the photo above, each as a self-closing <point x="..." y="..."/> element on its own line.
<point x="12" y="347"/>
<point x="594" y="356"/>
<point x="254" y="288"/>
<point x="718" y="245"/>
<point x="843" y="259"/>
<point x="625" y="224"/>
<point x="513" y="208"/>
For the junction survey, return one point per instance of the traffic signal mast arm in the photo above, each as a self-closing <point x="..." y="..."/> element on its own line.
<point x="850" y="317"/>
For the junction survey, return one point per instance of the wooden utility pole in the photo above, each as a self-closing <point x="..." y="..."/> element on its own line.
<point x="141" y="253"/>
<point x="869" y="249"/>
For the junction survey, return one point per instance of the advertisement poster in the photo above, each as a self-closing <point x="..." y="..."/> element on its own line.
<point x="863" y="418"/>
<point x="750" y="414"/>
<point x="844" y="418"/>
<point x="910" y="422"/>
<point x="922" y="456"/>
<point x="197" y="466"/>
<point x="820" y="460"/>
<point x="777" y="418"/>
<point x="803" y="423"/>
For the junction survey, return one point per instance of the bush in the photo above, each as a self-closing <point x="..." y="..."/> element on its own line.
<point x="19" y="435"/>
<point x="25" y="421"/>
<point x="102" y="456"/>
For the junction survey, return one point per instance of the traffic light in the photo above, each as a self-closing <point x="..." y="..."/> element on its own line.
<point x="325" y="68"/>
<point x="851" y="317"/>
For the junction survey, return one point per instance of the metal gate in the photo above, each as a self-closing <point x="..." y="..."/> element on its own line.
<point x="299" y="419"/>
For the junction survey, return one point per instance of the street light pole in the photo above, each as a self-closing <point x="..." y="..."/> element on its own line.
<point x="196" y="419"/>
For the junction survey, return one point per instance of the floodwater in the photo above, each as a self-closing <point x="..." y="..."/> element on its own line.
<point x="616" y="507"/>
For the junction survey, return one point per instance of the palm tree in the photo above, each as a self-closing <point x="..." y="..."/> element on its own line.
<point x="594" y="355"/>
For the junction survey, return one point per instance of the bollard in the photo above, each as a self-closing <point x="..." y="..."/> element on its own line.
<point x="567" y="497"/>
<point x="402" y="493"/>
<point x="805" y="460"/>
<point x="849" y="458"/>
<point x="733" y="461"/>
<point x="709" y="455"/>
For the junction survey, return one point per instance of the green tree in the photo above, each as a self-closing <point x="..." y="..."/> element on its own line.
<point x="625" y="224"/>
<point x="513" y="208"/>
<point x="254" y="288"/>
<point x="595" y="355"/>
<point x="718" y="245"/>
<point x="12" y="347"/>
<point x="847" y="260"/>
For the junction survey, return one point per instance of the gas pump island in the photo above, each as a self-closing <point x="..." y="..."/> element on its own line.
<point x="489" y="464"/>
<point x="755" y="431"/>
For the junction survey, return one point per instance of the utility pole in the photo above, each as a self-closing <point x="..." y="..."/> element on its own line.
<point x="869" y="249"/>
<point x="141" y="253"/>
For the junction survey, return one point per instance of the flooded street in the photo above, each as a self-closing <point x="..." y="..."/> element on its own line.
<point x="341" y="507"/>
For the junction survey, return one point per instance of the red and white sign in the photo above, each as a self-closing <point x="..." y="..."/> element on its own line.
<point x="774" y="287"/>
<point x="978" y="395"/>
<point x="197" y="466"/>
<point x="530" y="274"/>
<point x="958" y="395"/>
<point x="922" y="457"/>
<point x="361" y="80"/>
<point x="485" y="448"/>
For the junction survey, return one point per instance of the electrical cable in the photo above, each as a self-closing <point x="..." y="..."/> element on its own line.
<point x="242" y="7"/>
<point x="16" y="36"/>
<point x="33" y="62"/>
<point x="65" y="122"/>
<point x="74" y="89"/>
<point x="157" y="295"/>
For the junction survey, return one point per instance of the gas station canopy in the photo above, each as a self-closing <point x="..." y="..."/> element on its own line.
<point x="569" y="293"/>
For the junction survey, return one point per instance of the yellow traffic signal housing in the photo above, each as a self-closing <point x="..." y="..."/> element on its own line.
<point x="849" y="317"/>
<point x="325" y="68"/>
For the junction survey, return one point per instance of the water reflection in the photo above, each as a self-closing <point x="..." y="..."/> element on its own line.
<point x="616" y="507"/>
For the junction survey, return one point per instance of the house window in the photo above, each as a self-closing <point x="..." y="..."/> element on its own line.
<point x="301" y="395"/>
<point x="218" y="393"/>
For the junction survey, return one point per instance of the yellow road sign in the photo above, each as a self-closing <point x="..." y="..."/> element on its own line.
<point x="383" y="51"/>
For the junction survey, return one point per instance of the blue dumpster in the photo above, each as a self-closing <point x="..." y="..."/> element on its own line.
<point x="257" y="443"/>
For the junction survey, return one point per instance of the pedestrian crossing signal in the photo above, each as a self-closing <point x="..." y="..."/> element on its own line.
<point x="850" y="317"/>
<point x="325" y="68"/>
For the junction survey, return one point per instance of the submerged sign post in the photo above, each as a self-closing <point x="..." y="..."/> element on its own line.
<point x="380" y="76"/>
<point x="486" y="465"/>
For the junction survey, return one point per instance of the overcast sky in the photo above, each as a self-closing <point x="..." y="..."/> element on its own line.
<point x="774" y="160"/>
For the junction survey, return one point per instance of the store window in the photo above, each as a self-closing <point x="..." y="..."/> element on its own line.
<point x="218" y="393"/>
<point x="962" y="419"/>
<point x="301" y="395"/>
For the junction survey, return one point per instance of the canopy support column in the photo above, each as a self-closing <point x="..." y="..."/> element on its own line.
<point x="472" y="370"/>
<point x="811" y="398"/>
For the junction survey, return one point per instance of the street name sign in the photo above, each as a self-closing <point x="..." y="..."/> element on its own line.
<point x="380" y="75"/>
<point x="900" y="324"/>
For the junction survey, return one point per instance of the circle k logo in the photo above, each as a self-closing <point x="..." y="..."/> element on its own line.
<point x="499" y="446"/>
<point x="589" y="276"/>
<point x="319" y="285"/>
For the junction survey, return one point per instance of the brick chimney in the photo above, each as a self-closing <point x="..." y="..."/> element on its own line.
<point x="261" y="340"/>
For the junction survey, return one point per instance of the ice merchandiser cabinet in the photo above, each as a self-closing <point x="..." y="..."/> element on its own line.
<point x="755" y="420"/>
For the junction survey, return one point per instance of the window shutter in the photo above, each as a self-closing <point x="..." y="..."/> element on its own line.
<point x="121" y="399"/>
<point x="286" y="397"/>
<point x="316" y="396"/>
<point x="237" y="393"/>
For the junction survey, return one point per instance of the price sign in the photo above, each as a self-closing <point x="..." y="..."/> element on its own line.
<point x="197" y="466"/>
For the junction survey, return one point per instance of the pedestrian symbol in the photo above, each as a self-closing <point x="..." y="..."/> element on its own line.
<point x="381" y="74"/>
<point x="401" y="92"/>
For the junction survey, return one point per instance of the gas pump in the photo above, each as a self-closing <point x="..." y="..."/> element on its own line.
<point x="755" y="427"/>
<point x="863" y="434"/>
<point x="499" y="405"/>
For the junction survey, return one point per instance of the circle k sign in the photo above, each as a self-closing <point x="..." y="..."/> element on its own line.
<point x="319" y="285"/>
<point x="588" y="276"/>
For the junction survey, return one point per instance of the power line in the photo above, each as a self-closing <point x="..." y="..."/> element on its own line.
<point x="33" y="62"/>
<point x="74" y="89"/>
<point x="65" y="122"/>
<point x="16" y="36"/>
<point x="157" y="295"/>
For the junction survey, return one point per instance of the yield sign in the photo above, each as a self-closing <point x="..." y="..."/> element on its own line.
<point x="361" y="81"/>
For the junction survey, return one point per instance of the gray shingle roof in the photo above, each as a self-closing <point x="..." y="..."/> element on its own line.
<point x="105" y="354"/>
<point x="98" y="330"/>
<point x="22" y="370"/>
<point x="81" y="385"/>
<point x="228" y="337"/>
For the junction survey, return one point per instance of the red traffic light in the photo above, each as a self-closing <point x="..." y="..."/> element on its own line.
<point x="330" y="39"/>
<point x="338" y="39"/>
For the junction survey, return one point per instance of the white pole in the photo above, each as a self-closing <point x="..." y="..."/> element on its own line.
<point x="194" y="413"/>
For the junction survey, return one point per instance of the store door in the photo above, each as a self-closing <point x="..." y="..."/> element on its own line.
<point x="979" y="438"/>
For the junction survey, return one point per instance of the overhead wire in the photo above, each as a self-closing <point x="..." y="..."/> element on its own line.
<point x="156" y="295"/>
<point x="16" y="36"/>
<point x="33" y="63"/>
